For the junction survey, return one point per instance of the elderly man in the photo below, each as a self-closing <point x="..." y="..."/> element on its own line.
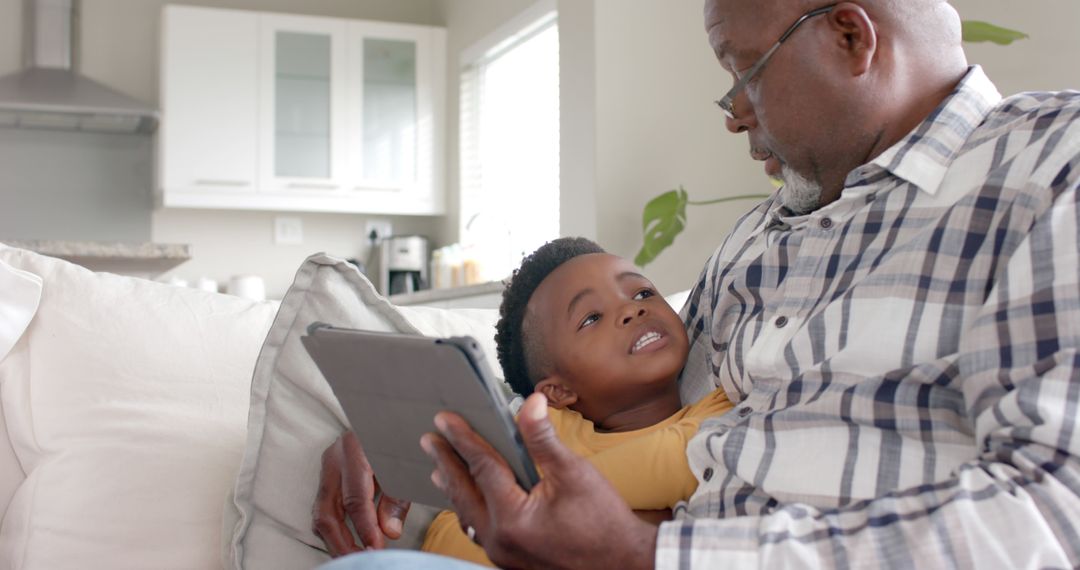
<point x="899" y="325"/>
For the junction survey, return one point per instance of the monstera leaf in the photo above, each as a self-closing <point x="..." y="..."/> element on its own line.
<point x="665" y="217"/>
<point x="976" y="31"/>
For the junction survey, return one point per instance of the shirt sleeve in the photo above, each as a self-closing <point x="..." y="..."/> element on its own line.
<point x="444" y="536"/>
<point x="1015" y="504"/>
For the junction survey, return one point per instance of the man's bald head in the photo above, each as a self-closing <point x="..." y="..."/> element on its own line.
<point x="929" y="23"/>
<point x="849" y="82"/>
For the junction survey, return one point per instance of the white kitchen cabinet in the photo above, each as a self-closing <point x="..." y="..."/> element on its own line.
<point x="340" y="116"/>
<point x="208" y="144"/>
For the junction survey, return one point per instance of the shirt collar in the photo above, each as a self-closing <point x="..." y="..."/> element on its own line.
<point x="924" y="156"/>
<point x="22" y="294"/>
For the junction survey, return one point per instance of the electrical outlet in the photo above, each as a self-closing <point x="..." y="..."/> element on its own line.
<point x="288" y="231"/>
<point x="382" y="229"/>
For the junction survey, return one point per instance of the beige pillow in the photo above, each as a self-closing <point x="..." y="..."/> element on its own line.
<point x="125" y="402"/>
<point x="20" y="294"/>
<point x="294" y="415"/>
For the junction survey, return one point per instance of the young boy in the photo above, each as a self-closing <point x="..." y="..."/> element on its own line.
<point x="585" y="329"/>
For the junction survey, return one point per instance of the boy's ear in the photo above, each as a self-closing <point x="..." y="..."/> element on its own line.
<point x="558" y="394"/>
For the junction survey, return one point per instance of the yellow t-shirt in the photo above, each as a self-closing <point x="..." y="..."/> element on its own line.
<point x="657" y="483"/>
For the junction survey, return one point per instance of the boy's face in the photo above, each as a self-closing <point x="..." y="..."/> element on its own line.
<point x="610" y="337"/>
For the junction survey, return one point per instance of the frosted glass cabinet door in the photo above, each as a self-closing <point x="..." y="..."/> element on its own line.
<point x="302" y="139"/>
<point x="302" y="82"/>
<point x="395" y="99"/>
<point x="389" y="111"/>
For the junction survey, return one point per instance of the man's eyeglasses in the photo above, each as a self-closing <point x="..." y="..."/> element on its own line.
<point x="727" y="103"/>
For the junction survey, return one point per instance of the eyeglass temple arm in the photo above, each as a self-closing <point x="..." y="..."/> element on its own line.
<point x="750" y="73"/>
<point x="805" y="17"/>
<point x="746" y="77"/>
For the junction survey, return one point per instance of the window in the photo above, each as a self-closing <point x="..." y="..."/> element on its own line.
<point x="509" y="143"/>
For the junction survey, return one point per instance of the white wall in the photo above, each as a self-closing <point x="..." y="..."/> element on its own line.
<point x="657" y="128"/>
<point x="10" y="35"/>
<point x="118" y="45"/>
<point x="1045" y="62"/>
<point x="577" y="129"/>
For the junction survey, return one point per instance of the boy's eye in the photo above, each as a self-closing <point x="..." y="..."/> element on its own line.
<point x="588" y="320"/>
<point x="644" y="294"/>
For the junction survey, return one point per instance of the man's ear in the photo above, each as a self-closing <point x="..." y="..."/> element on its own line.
<point x="558" y="394"/>
<point x="856" y="34"/>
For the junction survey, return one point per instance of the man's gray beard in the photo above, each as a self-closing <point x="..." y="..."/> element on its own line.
<point x="800" y="194"/>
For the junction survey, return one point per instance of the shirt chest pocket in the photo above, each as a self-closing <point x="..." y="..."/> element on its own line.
<point x="872" y="336"/>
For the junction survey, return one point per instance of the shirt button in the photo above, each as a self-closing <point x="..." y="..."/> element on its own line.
<point x="707" y="475"/>
<point x="743" y="412"/>
<point x="826" y="223"/>
<point x="781" y="322"/>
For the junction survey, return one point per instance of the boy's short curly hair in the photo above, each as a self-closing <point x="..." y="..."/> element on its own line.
<point x="517" y="354"/>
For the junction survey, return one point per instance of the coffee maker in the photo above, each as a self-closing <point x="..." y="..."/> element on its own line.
<point x="401" y="265"/>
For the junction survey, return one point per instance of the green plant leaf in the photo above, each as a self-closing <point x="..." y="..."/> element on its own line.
<point x="976" y="31"/>
<point x="663" y="219"/>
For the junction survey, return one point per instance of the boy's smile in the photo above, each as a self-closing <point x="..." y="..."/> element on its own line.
<point x="612" y="345"/>
<point x="648" y="341"/>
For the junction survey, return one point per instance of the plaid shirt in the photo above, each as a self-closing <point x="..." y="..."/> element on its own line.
<point x="904" y="360"/>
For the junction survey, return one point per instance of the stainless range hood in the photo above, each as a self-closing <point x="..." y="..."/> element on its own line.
<point x="49" y="94"/>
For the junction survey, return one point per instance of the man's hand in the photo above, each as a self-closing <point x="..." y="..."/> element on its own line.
<point x="571" y="519"/>
<point x="347" y="486"/>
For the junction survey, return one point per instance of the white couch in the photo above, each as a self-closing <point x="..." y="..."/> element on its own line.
<point x="124" y="417"/>
<point x="148" y="426"/>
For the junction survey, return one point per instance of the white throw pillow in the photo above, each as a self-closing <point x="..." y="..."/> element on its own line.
<point x="294" y="415"/>
<point x="125" y="403"/>
<point x="20" y="292"/>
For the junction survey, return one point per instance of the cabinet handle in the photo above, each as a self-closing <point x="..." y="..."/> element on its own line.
<point x="222" y="183"/>
<point x="379" y="188"/>
<point x="314" y="185"/>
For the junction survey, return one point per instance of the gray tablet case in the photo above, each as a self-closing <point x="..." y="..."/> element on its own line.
<point x="392" y="385"/>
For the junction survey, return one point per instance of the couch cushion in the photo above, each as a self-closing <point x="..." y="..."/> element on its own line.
<point x="125" y="403"/>
<point x="294" y="415"/>
<point x="20" y="293"/>
<point x="11" y="473"/>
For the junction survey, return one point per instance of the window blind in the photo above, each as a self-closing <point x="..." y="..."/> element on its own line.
<point x="509" y="148"/>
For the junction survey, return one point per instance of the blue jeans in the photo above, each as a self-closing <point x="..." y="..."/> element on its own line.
<point x="398" y="560"/>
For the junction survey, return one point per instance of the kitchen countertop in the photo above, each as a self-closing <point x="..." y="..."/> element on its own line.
<point x="428" y="296"/>
<point x="127" y="258"/>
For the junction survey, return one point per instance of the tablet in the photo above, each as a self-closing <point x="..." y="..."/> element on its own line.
<point x="392" y="385"/>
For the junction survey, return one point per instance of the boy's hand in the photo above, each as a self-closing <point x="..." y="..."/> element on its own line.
<point x="573" y="506"/>
<point x="347" y="487"/>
